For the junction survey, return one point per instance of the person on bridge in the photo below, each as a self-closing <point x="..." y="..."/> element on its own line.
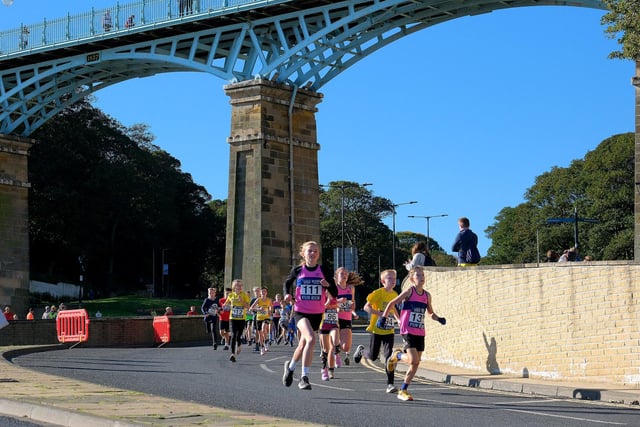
<point x="311" y="280"/>
<point x="238" y="300"/>
<point x="416" y="303"/>
<point x="106" y="21"/>
<point x="377" y="301"/>
<point x="130" y="23"/>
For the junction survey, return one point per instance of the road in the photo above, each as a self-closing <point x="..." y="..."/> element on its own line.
<point x="355" y="397"/>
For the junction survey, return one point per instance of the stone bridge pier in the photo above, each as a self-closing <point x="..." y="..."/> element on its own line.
<point x="14" y="223"/>
<point x="273" y="193"/>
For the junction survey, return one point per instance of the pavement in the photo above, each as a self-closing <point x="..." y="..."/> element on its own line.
<point x="73" y="403"/>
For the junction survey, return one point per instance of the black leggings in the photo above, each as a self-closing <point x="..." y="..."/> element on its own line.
<point x="237" y="327"/>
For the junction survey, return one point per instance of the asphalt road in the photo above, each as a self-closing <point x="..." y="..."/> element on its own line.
<point x="19" y="422"/>
<point x="356" y="397"/>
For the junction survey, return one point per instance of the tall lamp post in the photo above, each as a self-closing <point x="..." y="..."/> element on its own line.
<point x="428" y="218"/>
<point x="393" y="252"/>
<point x="342" y="187"/>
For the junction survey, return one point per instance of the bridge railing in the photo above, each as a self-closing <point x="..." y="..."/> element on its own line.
<point x="107" y="22"/>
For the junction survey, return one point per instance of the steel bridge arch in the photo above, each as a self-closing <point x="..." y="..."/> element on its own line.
<point x="306" y="47"/>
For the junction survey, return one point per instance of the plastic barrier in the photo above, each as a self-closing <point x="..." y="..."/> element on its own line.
<point x="73" y="326"/>
<point x="161" y="330"/>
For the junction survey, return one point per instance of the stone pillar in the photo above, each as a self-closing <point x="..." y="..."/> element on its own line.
<point x="636" y="190"/>
<point x="14" y="223"/>
<point x="268" y="214"/>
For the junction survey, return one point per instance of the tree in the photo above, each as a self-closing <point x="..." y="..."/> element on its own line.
<point x="599" y="187"/>
<point x="623" y="23"/>
<point x="363" y="229"/>
<point x="105" y="192"/>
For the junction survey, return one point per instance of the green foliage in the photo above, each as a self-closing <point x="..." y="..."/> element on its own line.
<point x="623" y="24"/>
<point x="105" y="192"/>
<point x="127" y="306"/>
<point x="599" y="187"/>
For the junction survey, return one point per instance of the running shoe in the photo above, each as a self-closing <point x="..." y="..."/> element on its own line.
<point x="392" y="389"/>
<point x="346" y="360"/>
<point x="226" y="347"/>
<point x="357" y="356"/>
<point x="287" y="377"/>
<point x="338" y="361"/>
<point x="331" y="373"/>
<point x="215" y="346"/>
<point x="304" y="384"/>
<point x="404" y="395"/>
<point x="392" y="360"/>
<point x="325" y="374"/>
<point x="279" y="340"/>
<point x="232" y="358"/>
<point x="262" y="351"/>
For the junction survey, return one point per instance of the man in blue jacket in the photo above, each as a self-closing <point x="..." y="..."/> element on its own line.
<point x="466" y="244"/>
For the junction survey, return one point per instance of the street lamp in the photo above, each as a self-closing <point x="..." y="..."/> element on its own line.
<point x="393" y="252"/>
<point x="428" y="217"/>
<point x="342" y="187"/>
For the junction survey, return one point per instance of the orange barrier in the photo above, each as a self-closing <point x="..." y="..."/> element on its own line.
<point x="72" y="326"/>
<point x="161" y="330"/>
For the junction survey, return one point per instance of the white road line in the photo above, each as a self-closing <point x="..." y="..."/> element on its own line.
<point x="537" y="413"/>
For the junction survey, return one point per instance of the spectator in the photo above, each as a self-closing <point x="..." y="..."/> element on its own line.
<point x="130" y="23"/>
<point x="30" y="315"/>
<point x="47" y="312"/>
<point x="168" y="311"/>
<point x="466" y="244"/>
<point x="8" y="314"/>
<point x="192" y="311"/>
<point x="98" y="315"/>
<point x="53" y="313"/>
<point x="552" y="256"/>
<point x="419" y="256"/>
<point x="106" y="21"/>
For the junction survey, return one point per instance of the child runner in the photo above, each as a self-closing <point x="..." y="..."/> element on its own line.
<point x="416" y="302"/>
<point x="262" y="307"/>
<point x="209" y="308"/>
<point x="346" y="313"/>
<point x="311" y="280"/>
<point x="239" y="302"/>
<point x="276" y="310"/>
<point x="329" y="340"/>
<point x="377" y="301"/>
<point x="225" y="313"/>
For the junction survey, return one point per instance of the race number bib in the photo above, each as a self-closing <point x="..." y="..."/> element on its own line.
<point x="345" y="306"/>
<point x="331" y="316"/>
<point x="416" y="319"/>
<point x="237" y="312"/>
<point x="310" y="290"/>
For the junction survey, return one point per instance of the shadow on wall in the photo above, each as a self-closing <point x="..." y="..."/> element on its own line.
<point x="492" y="349"/>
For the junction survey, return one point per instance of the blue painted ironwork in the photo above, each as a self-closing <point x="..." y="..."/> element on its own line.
<point x="300" y="42"/>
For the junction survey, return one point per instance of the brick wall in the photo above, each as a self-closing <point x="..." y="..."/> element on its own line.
<point x="126" y="331"/>
<point x="557" y="321"/>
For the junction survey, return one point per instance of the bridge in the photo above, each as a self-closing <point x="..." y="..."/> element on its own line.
<point x="275" y="54"/>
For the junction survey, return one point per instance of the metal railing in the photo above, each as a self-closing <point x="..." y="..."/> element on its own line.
<point x="114" y="20"/>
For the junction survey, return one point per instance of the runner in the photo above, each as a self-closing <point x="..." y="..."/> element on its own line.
<point x="329" y="338"/>
<point x="377" y="301"/>
<point x="416" y="303"/>
<point x="225" y="313"/>
<point x="262" y="307"/>
<point x="310" y="280"/>
<point x="209" y="308"/>
<point x="239" y="302"/>
<point x="346" y="312"/>
<point x="276" y="312"/>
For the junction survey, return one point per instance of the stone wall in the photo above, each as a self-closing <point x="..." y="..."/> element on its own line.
<point x="107" y="332"/>
<point x="559" y="320"/>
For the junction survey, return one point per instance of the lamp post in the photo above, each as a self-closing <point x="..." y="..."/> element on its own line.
<point x="342" y="187"/>
<point x="165" y="273"/>
<point x="428" y="218"/>
<point x="393" y="252"/>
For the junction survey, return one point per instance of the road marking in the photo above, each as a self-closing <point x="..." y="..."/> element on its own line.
<point x="537" y="413"/>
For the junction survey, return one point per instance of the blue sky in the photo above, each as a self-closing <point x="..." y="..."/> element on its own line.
<point x="460" y="117"/>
